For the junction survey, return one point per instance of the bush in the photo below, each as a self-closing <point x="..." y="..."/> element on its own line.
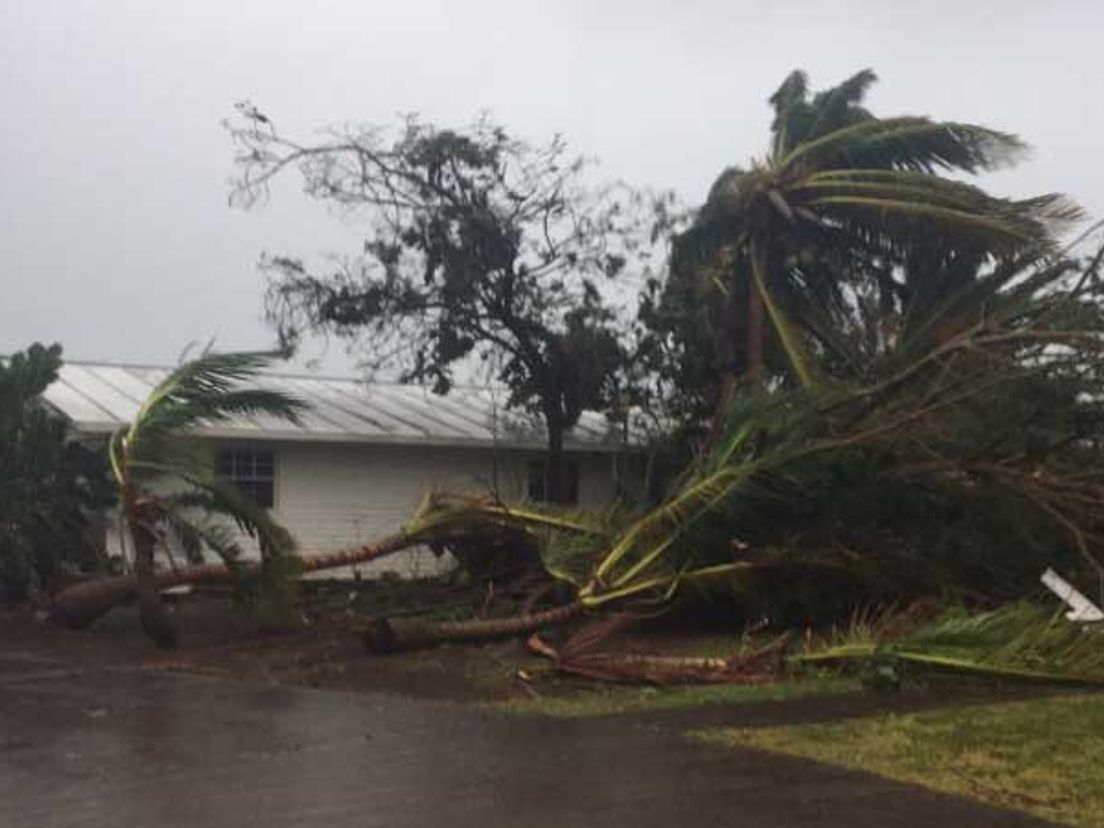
<point x="50" y="486"/>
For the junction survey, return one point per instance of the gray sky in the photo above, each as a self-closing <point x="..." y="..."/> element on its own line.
<point x="116" y="238"/>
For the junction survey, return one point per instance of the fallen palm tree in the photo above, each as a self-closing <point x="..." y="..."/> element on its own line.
<point x="442" y="521"/>
<point x="79" y="605"/>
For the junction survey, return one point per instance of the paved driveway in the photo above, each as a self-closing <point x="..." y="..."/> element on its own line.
<point x="113" y="747"/>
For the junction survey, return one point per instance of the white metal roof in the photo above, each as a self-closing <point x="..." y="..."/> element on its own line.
<point x="99" y="398"/>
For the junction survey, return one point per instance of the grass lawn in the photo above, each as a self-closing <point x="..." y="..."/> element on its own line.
<point x="602" y="700"/>
<point x="1045" y="756"/>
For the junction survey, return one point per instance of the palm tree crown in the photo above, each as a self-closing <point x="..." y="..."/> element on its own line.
<point x="843" y="197"/>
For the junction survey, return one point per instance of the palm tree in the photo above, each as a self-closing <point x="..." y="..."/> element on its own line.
<point x="845" y="198"/>
<point x="167" y="483"/>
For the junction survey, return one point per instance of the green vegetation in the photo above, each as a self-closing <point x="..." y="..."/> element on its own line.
<point x="899" y="395"/>
<point x="609" y="700"/>
<point x="900" y="399"/>
<point x="842" y="200"/>
<point x="1017" y="642"/>
<point x="1044" y="756"/>
<point x="926" y="422"/>
<point x="50" y="486"/>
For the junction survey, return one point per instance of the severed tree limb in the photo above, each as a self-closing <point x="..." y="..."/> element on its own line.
<point x="386" y="636"/>
<point x="79" y="605"/>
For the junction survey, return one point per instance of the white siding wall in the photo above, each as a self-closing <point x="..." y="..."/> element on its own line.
<point x="338" y="496"/>
<point x="334" y="496"/>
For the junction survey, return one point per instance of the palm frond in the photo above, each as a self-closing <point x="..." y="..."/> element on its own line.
<point x="210" y="388"/>
<point x="198" y="534"/>
<point x="214" y="496"/>
<point x="1017" y="642"/>
<point x="776" y="452"/>
<point x="1004" y="232"/>
<point x="788" y="334"/>
<point x="908" y="143"/>
<point x="838" y="107"/>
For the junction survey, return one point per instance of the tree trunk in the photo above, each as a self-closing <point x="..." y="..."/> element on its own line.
<point x="756" y="332"/>
<point x="81" y="604"/>
<point x="559" y="482"/>
<point x="155" y="619"/>
<point x="385" y="637"/>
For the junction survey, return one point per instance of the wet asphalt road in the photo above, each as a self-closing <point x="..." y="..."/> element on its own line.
<point x="114" y="747"/>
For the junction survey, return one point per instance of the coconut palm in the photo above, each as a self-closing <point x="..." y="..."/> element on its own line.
<point x="168" y="489"/>
<point x="845" y="199"/>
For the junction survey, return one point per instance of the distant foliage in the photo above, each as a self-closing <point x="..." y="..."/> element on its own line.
<point x="479" y="249"/>
<point x="49" y="485"/>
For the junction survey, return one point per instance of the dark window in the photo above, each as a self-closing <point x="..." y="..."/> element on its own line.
<point x="251" y="470"/>
<point x="538" y="487"/>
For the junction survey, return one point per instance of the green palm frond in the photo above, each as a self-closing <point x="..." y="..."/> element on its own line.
<point x="788" y="333"/>
<point x="763" y="435"/>
<point x="211" y="388"/>
<point x="839" y="107"/>
<point x="798" y="120"/>
<point x="198" y="533"/>
<point x="217" y="497"/>
<point x="908" y="143"/>
<point x="1003" y="229"/>
<point x="1034" y="217"/>
<point x="776" y="451"/>
<point x="1018" y="642"/>
<point x="442" y="512"/>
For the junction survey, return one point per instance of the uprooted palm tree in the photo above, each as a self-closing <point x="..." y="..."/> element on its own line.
<point x="471" y="527"/>
<point x="168" y="489"/>
<point x="844" y="202"/>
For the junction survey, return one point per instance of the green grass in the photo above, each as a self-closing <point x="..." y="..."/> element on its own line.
<point x="1045" y="756"/>
<point x="604" y="700"/>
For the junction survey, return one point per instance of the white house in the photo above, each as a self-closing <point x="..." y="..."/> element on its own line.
<point x="364" y="454"/>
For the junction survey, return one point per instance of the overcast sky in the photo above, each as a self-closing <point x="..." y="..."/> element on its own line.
<point x="116" y="238"/>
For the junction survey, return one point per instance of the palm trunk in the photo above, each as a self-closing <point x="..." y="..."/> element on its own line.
<point x="155" y="619"/>
<point x="756" y="332"/>
<point x="385" y="637"/>
<point x="80" y="605"/>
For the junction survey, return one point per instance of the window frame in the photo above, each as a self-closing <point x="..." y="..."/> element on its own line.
<point x="252" y="475"/>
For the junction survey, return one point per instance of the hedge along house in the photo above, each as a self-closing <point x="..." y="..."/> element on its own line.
<point x="364" y="454"/>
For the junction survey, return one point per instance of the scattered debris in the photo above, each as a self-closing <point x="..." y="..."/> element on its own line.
<point x="579" y="656"/>
<point x="1082" y="610"/>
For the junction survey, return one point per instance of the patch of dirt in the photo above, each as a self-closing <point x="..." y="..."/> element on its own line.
<point x="324" y="650"/>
